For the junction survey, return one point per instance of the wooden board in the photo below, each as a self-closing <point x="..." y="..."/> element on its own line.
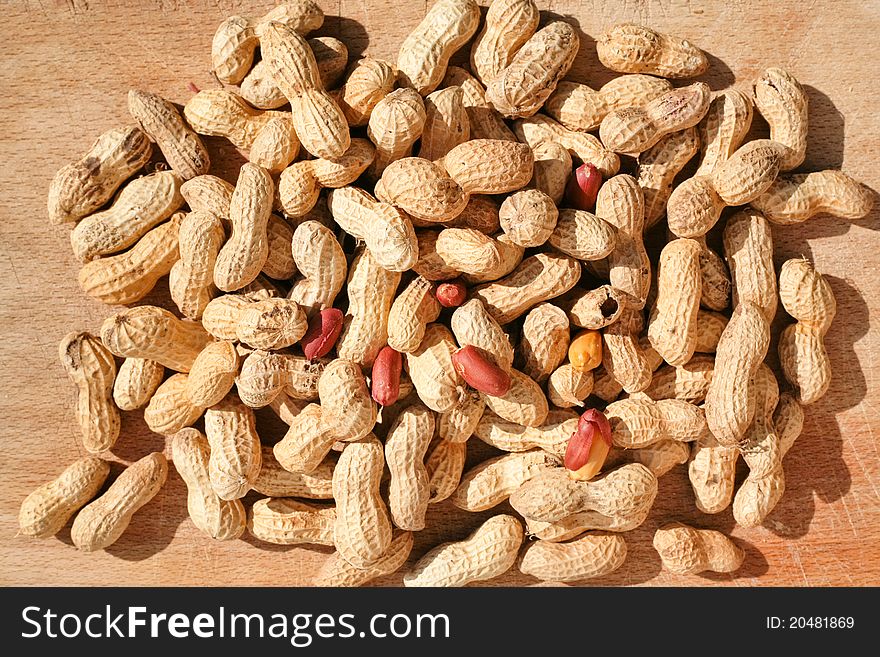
<point x="67" y="69"/>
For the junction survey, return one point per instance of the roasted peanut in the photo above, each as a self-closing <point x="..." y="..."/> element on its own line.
<point x="242" y="257"/>
<point x="386" y="231"/>
<point x="141" y="205"/>
<point x="552" y="495"/>
<point x="569" y="386"/>
<point x="425" y="53"/>
<point x="537" y="278"/>
<point x="521" y="87"/>
<point x="445" y="463"/>
<point x="658" y="167"/>
<point x="102" y="522"/>
<point x="695" y="205"/>
<point x="458" y="424"/>
<point x="796" y="197"/>
<point x="232" y="50"/>
<point x="300" y="184"/>
<point x="362" y="531"/>
<point x="592" y="555"/>
<point x="221" y="113"/>
<point x="488" y="552"/>
<point x="83" y="186"/>
<point x="637" y="423"/>
<point x="472" y="324"/>
<point x="90" y="365"/>
<point x="191" y="279"/>
<point x="275" y="146"/>
<point x="689" y="551"/>
<point x="130" y="276"/>
<point x="154" y="333"/>
<point x="583" y="235"/>
<point x="748" y="249"/>
<point x="212" y="374"/>
<point x="730" y="400"/>
<point x="723" y="129"/>
<point x="782" y="101"/>
<point x="170" y="408"/>
<point x="621" y="204"/>
<point x="807" y="297"/>
<point x="322" y="264"/>
<point x="336" y="571"/>
<point x="484" y="121"/>
<point x="220" y="519"/>
<point x="510" y="436"/>
<point x="583" y="147"/>
<point x="235" y="448"/>
<point x="636" y="129"/>
<point x="46" y="510"/>
<point x="433" y="374"/>
<point x="265" y="375"/>
<point x="413" y="309"/>
<point x="492" y="481"/>
<point x="594" y="309"/>
<point x="136" y="381"/>
<point x="630" y="48"/>
<point x="371" y="290"/>
<point x="578" y="107"/>
<point x="552" y="169"/>
<point x="446" y="123"/>
<point x="509" y="24"/>
<point x="624" y="358"/>
<point x="545" y="339"/>
<point x="396" y="122"/>
<point x="368" y="82"/>
<point x="159" y="119"/>
<point x="672" y="329"/>
<point x="405" y="447"/>
<point x="291" y="522"/>
<point x="275" y="481"/>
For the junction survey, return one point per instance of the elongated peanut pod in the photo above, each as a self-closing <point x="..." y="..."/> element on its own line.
<point x="161" y="121"/>
<point x="336" y="571"/>
<point x="362" y="531"/>
<point x="244" y="254"/>
<point x="730" y="400"/>
<point x="592" y="555"/>
<point x="219" y="519"/>
<point x="191" y="279"/>
<point x="291" y="522"/>
<point x="371" y="290"/>
<point x="493" y="481"/>
<point x="154" y="333"/>
<point x="140" y="206"/>
<point x="425" y="53"/>
<point x="688" y="551"/>
<point x="553" y="495"/>
<point x="235" y="448"/>
<point x="90" y="365"/>
<point x="101" y="523"/>
<point x="628" y="48"/>
<point x="672" y="329"/>
<point x="83" y="186"/>
<point x="405" y="447"/>
<point x="782" y="101"/>
<point x="796" y="197"/>
<point x="521" y="88"/>
<point x="488" y="552"/>
<point x="46" y="510"/>
<point x="128" y="277"/>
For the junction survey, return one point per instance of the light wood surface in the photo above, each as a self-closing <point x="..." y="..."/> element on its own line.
<point x="66" y="71"/>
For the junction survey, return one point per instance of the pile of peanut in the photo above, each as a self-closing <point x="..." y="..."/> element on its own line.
<point x="416" y="255"/>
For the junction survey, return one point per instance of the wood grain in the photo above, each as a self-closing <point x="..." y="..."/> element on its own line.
<point x="65" y="81"/>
